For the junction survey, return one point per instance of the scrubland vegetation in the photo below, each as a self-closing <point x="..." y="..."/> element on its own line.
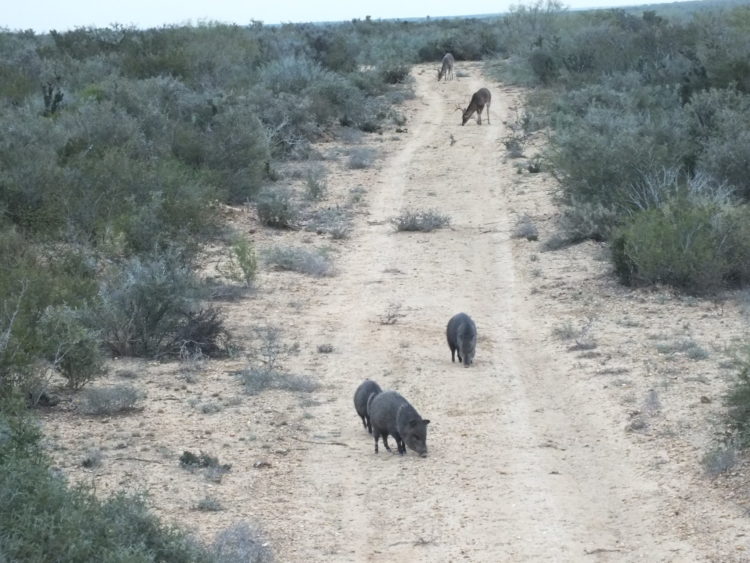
<point x="647" y="117"/>
<point x="119" y="145"/>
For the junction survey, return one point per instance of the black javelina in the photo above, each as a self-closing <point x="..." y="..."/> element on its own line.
<point x="391" y="414"/>
<point x="362" y="397"/>
<point x="462" y="338"/>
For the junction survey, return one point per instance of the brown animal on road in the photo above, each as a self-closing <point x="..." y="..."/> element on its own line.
<point x="447" y="69"/>
<point x="480" y="100"/>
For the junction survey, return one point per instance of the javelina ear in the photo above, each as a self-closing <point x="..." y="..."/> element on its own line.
<point x="426" y="421"/>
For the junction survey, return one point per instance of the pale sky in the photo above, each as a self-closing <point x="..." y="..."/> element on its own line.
<point x="43" y="15"/>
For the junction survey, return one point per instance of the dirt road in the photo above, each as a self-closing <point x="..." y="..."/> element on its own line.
<point x="529" y="459"/>
<point x="527" y="463"/>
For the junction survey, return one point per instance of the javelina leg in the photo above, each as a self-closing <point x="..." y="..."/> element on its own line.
<point x="385" y="442"/>
<point x="368" y="425"/>
<point x="453" y="354"/>
<point x="401" y="445"/>
<point x="376" y="435"/>
<point x="364" y="422"/>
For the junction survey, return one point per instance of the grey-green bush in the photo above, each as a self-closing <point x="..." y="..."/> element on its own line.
<point x="72" y="346"/>
<point x="276" y="207"/>
<point x="699" y="247"/>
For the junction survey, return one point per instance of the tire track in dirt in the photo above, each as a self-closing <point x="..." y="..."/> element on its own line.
<point x="525" y="464"/>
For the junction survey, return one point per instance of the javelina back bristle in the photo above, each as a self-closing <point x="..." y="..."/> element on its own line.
<point x="462" y="338"/>
<point x="362" y="397"/>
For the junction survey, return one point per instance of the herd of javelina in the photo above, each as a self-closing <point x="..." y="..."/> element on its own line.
<point x="388" y="413"/>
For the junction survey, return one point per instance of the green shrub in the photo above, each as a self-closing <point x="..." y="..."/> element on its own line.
<point x="292" y="74"/>
<point x="334" y="221"/>
<point x="243" y="263"/>
<point x="189" y="460"/>
<point x="295" y="259"/>
<point x="276" y="207"/>
<point x="738" y="398"/>
<point x="109" y="400"/>
<point x="600" y="155"/>
<point x="237" y="152"/>
<point x="239" y="542"/>
<point x="361" y="157"/>
<point x="45" y="520"/>
<point x="31" y="281"/>
<point x="525" y="228"/>
<point x="394" y="72"/>
<point x="148" y="308"/>
<point x="544" y="65"/>
<point x="420" y="220"/>
<point x="315" y="183"/>
<point x="208" y="504"/>
<point x="682" y="243"/>
<point x="72" y="347"/>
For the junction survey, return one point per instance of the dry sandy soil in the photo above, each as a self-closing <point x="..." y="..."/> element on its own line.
<point x="577" y="435"/>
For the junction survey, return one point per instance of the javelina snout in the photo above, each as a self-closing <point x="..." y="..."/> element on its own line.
<point x="393" y="415"/>
<point x="462" y="338"/>
<point x="363" y="396"/>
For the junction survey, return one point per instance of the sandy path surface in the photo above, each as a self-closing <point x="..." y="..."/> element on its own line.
<point x="525" y="462"/>
<point x="529" y="457"/>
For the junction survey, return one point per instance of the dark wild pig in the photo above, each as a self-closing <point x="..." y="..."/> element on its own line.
<point x="362" y="397"/>
<point x="393" y="415"/>
<point x="462" y="338"/>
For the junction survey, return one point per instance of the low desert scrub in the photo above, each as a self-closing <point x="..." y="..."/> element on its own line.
<point x="109" y="400"/>
<point x="361" y="157"/>
<point x="525" y="228"/>
<point x="210" y="407"/>
<point x="356" y="195"/>
<point x="334" y="221"/>
<point x="208" y="504"/>
<point x="74" y="349"/>
<point x="77" y="524"/>
<point x="564" y="331"/>
<point x="582" y="336"/>
<point x="535" y="164"/>
<point x="240" y="542"/>
<point x="296" y="259"/>
<point x="92" y="458"/>
<point x="212" y="469"/>
<point x="720" y="459"/>
<point x="420" y="220"/>
<point x="266" y="370"/>
<point x="686" y="346"/>
<point x="192" y="364"/>
<point x="150" y="307"/>
<point x="738" y="398"/>
<point x="514" y="145"/>
<point x="256" y="380"/>
<point x="242" y="265"/>
<point x="316" y="185"/>
<point x="698" y="246"/>
<point x="276" y="207"/>
<point x="581" y="221"/>
<point x="392" y="314"/>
